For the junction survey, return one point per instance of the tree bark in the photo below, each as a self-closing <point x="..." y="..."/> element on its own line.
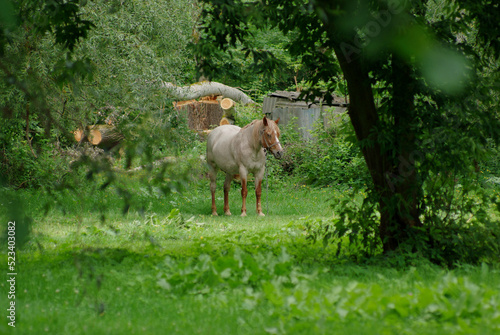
<point x="201" y="115"/>
<point x="205" y="88"/>
<point x="403" y="109"/>
<point x="396" y="181"/>
<point x="365" y="120"/>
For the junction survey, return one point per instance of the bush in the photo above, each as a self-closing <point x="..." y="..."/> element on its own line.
<point x="330" y="158"/>
<point x="26" y="164"/>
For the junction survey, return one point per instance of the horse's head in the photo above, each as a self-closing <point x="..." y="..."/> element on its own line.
<point x="270" y="137"/>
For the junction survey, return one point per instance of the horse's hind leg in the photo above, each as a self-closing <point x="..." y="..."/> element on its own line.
<point x="244" y="193"/>
<point x="212" y="173"/>
<point x="227" y="187"/>
<point x="258" y="194"/>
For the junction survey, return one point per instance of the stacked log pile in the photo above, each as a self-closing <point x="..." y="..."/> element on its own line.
<point x="103" y="136"/>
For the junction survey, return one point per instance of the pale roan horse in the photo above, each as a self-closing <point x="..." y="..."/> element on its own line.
<point x="236" y="150"/>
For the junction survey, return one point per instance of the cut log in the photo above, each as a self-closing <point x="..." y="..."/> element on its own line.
<point x="105" y="136"/>
<point x="225" y="120"/>
<point x="79" y="135"/>
<point x="227" y="104"/>
<point x="206" y="88"/>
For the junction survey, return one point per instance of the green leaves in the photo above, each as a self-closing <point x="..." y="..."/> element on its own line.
<point x="65" y="21"/>
<point x="62" y="18"/>
<point x="292" y="299"/>
<point x="237" y="269"/>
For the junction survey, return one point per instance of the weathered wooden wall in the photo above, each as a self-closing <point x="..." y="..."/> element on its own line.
<point x="305" y="116"/>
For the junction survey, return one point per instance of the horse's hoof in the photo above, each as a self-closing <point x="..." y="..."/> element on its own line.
<point x="228" y="213"/>
<point x="215" y="214"/>
<point x="261" y="214"/>
<point x="244" y="214"/>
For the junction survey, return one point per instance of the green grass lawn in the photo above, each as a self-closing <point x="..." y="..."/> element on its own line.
<point x="175" y="269"/>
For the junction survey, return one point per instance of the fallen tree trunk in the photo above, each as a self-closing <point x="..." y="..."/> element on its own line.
<point x="205" y="88"/>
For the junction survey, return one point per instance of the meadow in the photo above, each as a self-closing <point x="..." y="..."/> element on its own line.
<point x="116" y="253"/>
<point x="175" y="269"/>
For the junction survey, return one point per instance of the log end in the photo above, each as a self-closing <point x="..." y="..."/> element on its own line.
<point x="95" y="136"/>
<point x="79" y="135"/>
<point x="226" y="104"/>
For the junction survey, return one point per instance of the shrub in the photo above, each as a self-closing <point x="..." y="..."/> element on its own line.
<point x="330" y="158"/>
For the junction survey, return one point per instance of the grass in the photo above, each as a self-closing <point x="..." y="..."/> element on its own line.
<point x="174" y="269"/>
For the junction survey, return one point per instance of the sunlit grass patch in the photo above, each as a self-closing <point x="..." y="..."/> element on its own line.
<point x="174" y="268"/>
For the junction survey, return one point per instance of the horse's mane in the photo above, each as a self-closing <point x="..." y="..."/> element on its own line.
<point x="251" y="124"/>
<point x="258" y="125"/>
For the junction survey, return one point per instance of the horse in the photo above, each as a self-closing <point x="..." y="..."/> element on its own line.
<point x="236" y="150"/>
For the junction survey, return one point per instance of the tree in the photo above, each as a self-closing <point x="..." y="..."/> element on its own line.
<point x="68" y="64"/>
<point x="422" y="84"/>
<point x="65" y="65"/>
<point x="37" y="64"/>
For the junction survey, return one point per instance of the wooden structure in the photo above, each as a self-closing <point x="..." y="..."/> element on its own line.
<point x="288" y="106"/>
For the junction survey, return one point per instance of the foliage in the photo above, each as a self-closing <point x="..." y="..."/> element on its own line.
<point x="33" y="69"/>
<point x="101" y="68"/>
<point x="407" y="99"/>
<point x="197" y="273"/>
<point x="66" y="65"/>
<point x="329" y="158"/>
<point x="461" y="225"/>
<point x="246" y="114"/>
<point x="236" y="269"/>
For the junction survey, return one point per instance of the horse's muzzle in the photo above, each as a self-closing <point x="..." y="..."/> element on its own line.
<point x="278" y="154"/>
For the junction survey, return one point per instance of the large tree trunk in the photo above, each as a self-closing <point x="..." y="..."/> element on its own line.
<point x="201" y="115"/>
<point x="407" y="183"/>
<point x="206" y="88"/>
<point x="394" y="220"/>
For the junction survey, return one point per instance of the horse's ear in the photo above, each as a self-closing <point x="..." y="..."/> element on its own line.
<point x="278" y="120"/>
<point x="265" y="121"/>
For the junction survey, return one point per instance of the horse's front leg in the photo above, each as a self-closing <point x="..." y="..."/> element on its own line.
<point x="212" y="173"/>
<point x="244" y="193"/>
<point x="258" y="193"/>
<point x="227" y="187"/>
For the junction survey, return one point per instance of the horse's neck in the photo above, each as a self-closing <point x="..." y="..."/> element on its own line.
<point x="251" y="133"/>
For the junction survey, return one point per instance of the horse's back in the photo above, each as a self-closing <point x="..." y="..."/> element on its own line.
<point x="219" y="152"/>
<point x="221" y="136"/>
